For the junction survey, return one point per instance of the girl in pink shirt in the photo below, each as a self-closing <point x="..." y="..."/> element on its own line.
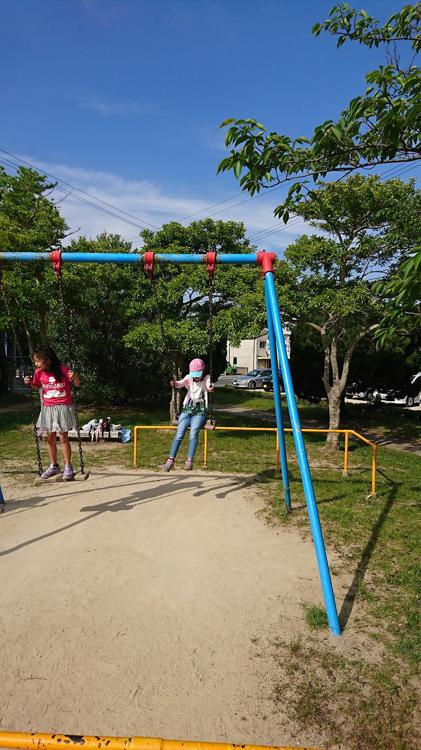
<point x="57" y="414"/>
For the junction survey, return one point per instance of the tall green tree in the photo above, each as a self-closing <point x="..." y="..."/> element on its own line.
<point x="326" y="280"/>
<point x="381" y="126"/>
<point x="29" y="220"/>
<point x="98" y="300"/>
<point x="173" y="320"/>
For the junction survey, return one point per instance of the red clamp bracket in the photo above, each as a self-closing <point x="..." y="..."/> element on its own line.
<point x="148" y="262"/>
<point x="57" y="261"/>
<point x="210" y="260"/>
<point x="266" y="261"/>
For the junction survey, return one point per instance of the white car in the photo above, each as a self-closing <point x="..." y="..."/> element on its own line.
<point x="252" y="379"/>
<point x="409" y="395"/>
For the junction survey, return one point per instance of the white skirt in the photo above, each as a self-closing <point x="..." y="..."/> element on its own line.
<point x="60" y="418"/>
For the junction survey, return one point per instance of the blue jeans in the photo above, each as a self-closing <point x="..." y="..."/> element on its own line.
<point x="196" y="423"/>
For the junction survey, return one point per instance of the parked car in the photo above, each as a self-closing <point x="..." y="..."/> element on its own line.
<point x="369" y="393"/>
<point x="267" y="384"/>
<point x="409" y="395"/>
<point x="252" y="379"/>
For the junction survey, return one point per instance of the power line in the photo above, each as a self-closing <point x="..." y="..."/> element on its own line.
<point x="119" y="214"/>
<point x="275" y="229"/>
<point x="230" y="198"/>
<point x="263" y="193"/>
<point x="84" y="201"/>
<point x="79" y="190"/>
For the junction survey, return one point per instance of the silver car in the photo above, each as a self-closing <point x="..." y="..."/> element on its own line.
<point x="252" y="379"/>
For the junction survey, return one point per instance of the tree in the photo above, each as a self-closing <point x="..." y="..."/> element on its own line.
<point x="173" y="320"/>
<point x="382" y="126"/>
<point x="28" y="221"/>
<point x="98" y="299"/>
<point x="326" y="280"/>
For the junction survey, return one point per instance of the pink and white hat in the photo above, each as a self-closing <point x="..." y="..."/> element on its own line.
<point x="196" y="368"/>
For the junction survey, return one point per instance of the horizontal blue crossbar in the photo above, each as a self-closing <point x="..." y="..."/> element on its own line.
<point x="129" y="257"/>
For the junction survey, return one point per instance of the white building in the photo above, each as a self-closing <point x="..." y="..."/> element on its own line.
<point x="254" y="354"/>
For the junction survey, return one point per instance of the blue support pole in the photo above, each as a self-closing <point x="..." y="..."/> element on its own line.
<point x="278" y="406"/>
<point x="2" y="501"/>
<point x="135" y="257"/>
<point x="316" y="530"/>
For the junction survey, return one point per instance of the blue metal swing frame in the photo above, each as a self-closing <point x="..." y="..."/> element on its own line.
<point x="278" y="358"/>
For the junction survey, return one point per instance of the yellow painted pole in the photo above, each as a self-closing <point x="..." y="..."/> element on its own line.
<point x="373" y="470"/>
<point x="205" y="449"/>
<point x="136" y="429"/>
<point x="35" y="741"/>
<point x="345" y="470"/>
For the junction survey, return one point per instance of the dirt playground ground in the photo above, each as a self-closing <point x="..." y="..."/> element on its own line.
<point x="140" y="603"/>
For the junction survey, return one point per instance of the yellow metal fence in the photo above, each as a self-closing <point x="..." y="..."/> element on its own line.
<point x="34" y="741"/>
<point x="207" y="433"/>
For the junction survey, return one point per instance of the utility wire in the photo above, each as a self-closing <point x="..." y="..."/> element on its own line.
<point x="84" y="201"/>
<point x="79" y="190"/>
<point x="396" y="171"/>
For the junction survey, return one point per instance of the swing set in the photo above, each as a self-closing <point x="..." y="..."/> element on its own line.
<point x="278" y="353"/>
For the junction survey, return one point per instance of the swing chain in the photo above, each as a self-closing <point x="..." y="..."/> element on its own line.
<point x="149" y="267"/>
<point x="57" y="262"/>
<point x="210" y="260"/>
<point x="21" y="357"/>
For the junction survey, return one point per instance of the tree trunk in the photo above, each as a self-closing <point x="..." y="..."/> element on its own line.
<point x="29" y="337"/>
<point x="4" y="367"/>
<point x="335" y="403"/>
<point x="335" y="381"/>
<point x="173" y="406"/>
<point x="175" y="403"/>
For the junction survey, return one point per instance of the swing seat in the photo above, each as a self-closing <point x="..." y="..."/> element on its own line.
<point x="78" y="477"/>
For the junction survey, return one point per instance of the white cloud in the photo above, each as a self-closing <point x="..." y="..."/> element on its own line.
<point x="212" y="137"/>
<point x="113" y="107"/>
<point x="149" y="204"/>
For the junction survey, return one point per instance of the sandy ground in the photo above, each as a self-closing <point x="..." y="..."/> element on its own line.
<point x="135" y="603"/>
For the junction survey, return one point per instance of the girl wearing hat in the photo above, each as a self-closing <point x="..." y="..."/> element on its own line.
<point x="193" y="413"/>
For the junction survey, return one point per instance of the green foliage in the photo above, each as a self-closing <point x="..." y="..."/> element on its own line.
<point x="326" y="279"/>
<point x="28" y="221"/>
<point x="402" y="292"/>
<point x="315" y="615"/>
<point x="382" y="125"/>
<point x="125" y="330"/>
<point x="174" y="319"/>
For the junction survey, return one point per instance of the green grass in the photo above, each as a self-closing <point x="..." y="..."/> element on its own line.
<point x="377" y="539"/>
<point x="316" y="618"/>
<point x="350" y="703"/>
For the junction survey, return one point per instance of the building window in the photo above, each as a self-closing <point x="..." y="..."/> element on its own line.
<point x="262" y="344"/>
<point x="234" y="360"/>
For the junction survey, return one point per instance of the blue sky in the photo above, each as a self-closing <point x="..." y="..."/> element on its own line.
<point x="123" y="98"/>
